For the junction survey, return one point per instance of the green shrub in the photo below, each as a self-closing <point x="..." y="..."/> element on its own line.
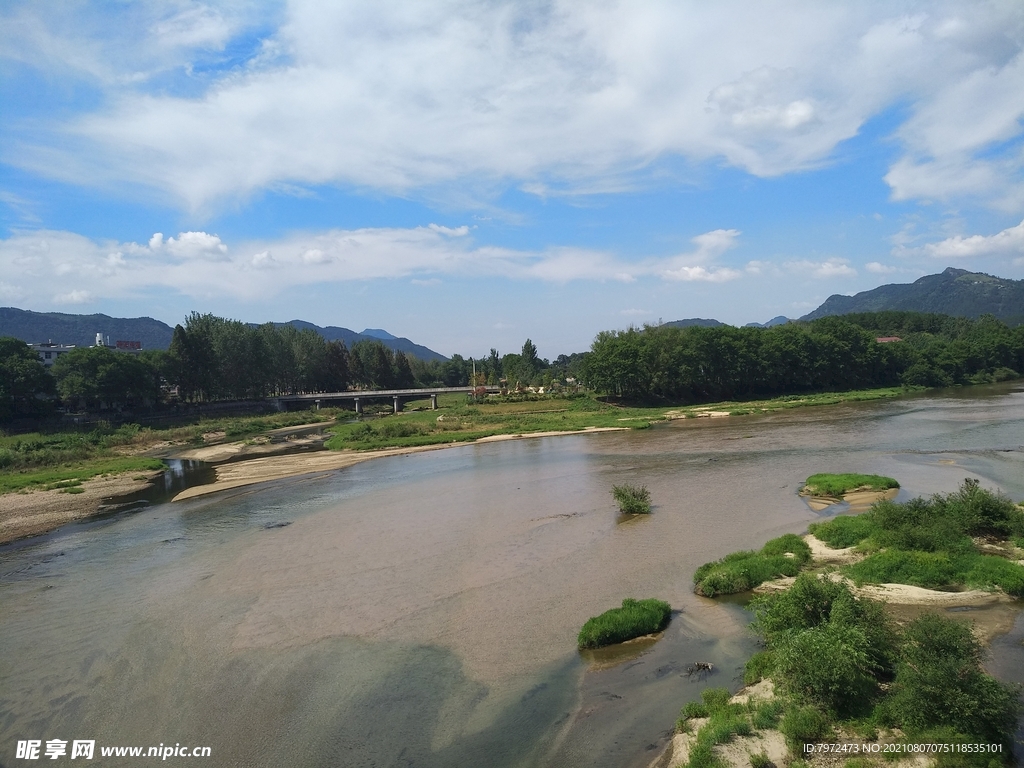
<point x="715" y="699"/>
<point x="802" y="724"/>
<point x="940" y="684"/>
<point x="393" y="429"/>
<point x="767" y="714"/>
<point x="761" y="760"/>
<point x="632" y="499"/>
<point x="634" y="619"/>
<point x="758" y="667"/>
<point x="830" y="665"/>
<point x="742" y="571"/>
<point x="986" y="571"/>
<point x="788" y="544"/>
<point x="702" y="755"/>
<point x="812" y="603"/>
<point x="845" y="531"/>
<point x="922" y="569"/>
<point x="836" y="485"/>
<point x="694" y="709"/>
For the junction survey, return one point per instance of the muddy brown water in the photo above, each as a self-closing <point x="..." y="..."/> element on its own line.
<point x="422" y="610"/>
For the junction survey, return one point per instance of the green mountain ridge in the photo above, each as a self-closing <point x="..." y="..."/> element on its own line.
<point x="955" y="292"/>
<point x="81" y="330"/>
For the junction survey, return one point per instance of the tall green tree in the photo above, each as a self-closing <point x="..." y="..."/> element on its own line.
<point x="25" y="384"/>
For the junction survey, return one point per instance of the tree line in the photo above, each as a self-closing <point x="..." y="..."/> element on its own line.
<point x="213" y="358"/>
<point x="699" y="364"/>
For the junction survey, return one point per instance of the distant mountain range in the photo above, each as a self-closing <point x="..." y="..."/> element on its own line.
<point x="81" y="330"/>
<point x="954" y="292"/>
<point x="398" y="344"/>
<point x="779" y="320"/>
<point x="699" y="321"/>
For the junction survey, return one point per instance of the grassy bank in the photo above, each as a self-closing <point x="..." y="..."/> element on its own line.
<point x="44" y="459"/>
<point x="742" y="571"/>
<point x="458" y="421"/>
<point x="935" y="542"/>
<point x="69" y="478"/>
<point x="841" y="668"/>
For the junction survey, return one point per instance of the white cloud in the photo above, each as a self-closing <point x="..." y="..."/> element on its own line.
<point x="451" y="232"/>
<point x="73" y="297"/>
<point x="635" y="312"/>
<point x="555" y="96"/>
<point x="199" y="264"/>
<point x="830" y="268"/>
<point x="703" y="274"/>
<point x="1009" y="242"/>
<point x="879" y="268"/>
<point x="689" y="267"/>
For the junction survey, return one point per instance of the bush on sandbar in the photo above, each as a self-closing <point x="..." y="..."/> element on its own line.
<point x="826" y="484"/>
<point x="742" y="571"/>
<point x="632" y="499"/>
<point x="635" y="618"/>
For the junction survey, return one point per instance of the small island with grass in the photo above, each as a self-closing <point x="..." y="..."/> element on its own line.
<point x="837" y="485"/>
<point x="742" y="571"/>
<point x="636" y="618"/>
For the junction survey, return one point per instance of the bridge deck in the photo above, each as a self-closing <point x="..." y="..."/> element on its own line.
<point x="370" y="393"/>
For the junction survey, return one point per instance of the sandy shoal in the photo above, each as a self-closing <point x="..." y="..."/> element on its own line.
<point x="264" y="469"/>
<point x="36" y="512"/>
<point x="859" y="500"/>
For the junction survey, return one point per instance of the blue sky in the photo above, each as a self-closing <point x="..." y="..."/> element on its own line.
<point x="470" y="174"/>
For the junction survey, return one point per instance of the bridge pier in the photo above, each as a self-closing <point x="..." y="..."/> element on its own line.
<point x="359" y="406"/>
<point x="433" y="402"/>
<point x="398" y="404"/>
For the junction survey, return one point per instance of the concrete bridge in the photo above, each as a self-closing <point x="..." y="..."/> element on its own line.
<point x="397" y="396"/>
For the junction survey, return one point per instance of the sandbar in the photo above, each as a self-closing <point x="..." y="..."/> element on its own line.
<point x="264" y="469"/>
<point x="34" y="512"/>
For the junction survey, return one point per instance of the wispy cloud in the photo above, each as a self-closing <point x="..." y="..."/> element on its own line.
<point x="201" y="264"/>
<point x="1007" y="243"/>
<point x="553" y="98"/>
<point x="828" y="269"/>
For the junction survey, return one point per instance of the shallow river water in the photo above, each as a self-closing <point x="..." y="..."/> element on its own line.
<point x="422" y="610"/>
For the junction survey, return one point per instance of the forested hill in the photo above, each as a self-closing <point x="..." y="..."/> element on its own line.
<point x="954" y="292"/>
<point x="394" y="343"/>
<point x="81" y="330"/>
<point x="700" y="322"/>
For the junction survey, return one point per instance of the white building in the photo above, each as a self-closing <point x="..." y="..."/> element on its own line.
<point x="49" y="352"/>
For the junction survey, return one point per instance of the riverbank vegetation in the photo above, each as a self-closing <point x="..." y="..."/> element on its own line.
<point x="632" y="499"/>
<point x="963" y="539"/>
<point x="842" y="668"/>
<point x="836" y="485"/>
<point x="635" y="618"/>
<point x="699" y="364"/>
<point x="841" y="665"/>
<point x="70" y="456"/>
<point x="742" y="571"/>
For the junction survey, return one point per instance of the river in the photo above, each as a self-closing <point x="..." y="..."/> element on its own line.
<point x="422" y="610"/>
